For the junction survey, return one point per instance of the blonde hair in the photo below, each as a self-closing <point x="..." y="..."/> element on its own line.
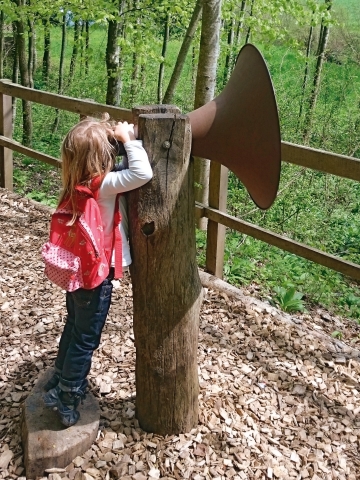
<point x="86" y="153"/>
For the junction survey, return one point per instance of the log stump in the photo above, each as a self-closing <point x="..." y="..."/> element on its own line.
<point x="167" y="291"/>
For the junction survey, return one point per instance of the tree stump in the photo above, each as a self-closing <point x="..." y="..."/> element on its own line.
<point x="167" y="291"/>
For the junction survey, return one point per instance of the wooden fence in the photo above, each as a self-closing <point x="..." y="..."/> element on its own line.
<point x="323" y="161"/>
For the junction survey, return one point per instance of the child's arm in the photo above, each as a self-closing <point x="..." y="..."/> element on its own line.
<point x="139" y="171"/>
<point x="124" y="132"/>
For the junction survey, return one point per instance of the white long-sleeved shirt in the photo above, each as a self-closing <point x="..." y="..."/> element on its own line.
<point x="138" y="173"/>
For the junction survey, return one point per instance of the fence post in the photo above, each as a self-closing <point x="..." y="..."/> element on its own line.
<point x="6" y="155"/>
<point x="215" y="243"/>
<point x="167" y="291"/>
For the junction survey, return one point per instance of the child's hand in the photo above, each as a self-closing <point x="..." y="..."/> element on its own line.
<point x="124" y="132"/>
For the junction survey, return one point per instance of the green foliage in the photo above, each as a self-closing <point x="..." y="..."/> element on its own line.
<point x="337" y="334"/>
<point x="288" y="299"/>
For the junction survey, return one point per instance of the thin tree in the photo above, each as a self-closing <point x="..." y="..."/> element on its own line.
<point x="163" y="55"/>
<point x="137" y="68"/>
<point x="87" y="46"/>
<point x="15" y="70"/>
<point x="240" y="22"/>
<point x="75" y="50"/>
<point x="113" y="60"/>
<point x="184" y="49"/>
<point x="205" y="87"/>
<point x="249" y="29"/>
<point x="229" y="50"/>
<point x="19" y="23"/>
<point x="2" y="23"/>
<point x="61" y="71"/>
<point x="323" y="40"/>
<point x="31" y="50"/>
<point x="306" y="71"/>
<point x="46" y="55"/>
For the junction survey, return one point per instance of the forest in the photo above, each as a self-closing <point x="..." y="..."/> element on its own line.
<point x="141" y="52"/>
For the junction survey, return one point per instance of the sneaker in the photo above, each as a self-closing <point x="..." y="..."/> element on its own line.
<point x="66" y="408"/>
<point x="52" y="396"/>
<point x="52" y="383"/>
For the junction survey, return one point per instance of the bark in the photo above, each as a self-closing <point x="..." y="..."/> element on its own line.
<point x="113" y="59"/>
<point x="87" y="47"/>
<point x="323" y="40"/>
<point x="136" y="67"/>
<point x="306" y="71"/>
<point x="32" y="51"/>
<point x="180" y="61"/>
<point x="163" y="54"/>
<point x="320" y="41"/>
<point x="61" y="71"/>
<point x="25" y="79"/>
<point x="241" y="21"/>
<point x="1" y="44"/>
<point x="15" y="71"/>
<point x="229" y="55"/>
<point x="250" y="15"/>
<point x="205" y="88"/>
<point x="167" y="291"/>
<point x="113" y="64"/>
<point x="75" y="50"/>
<point x="46" y="56"/>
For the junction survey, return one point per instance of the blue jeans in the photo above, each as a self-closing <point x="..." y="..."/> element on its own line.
<point x="87" y="311"/>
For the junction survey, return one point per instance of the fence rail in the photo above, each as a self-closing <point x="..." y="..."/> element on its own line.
<point x="328" y="162"/>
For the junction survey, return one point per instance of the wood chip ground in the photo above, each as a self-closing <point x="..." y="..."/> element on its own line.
<point x="279" y="397"/>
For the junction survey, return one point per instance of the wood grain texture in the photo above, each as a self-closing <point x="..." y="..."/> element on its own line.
<point x="167" y="290"/>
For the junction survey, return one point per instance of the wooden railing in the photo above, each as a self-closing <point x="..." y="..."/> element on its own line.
<point x="323" y="161"/>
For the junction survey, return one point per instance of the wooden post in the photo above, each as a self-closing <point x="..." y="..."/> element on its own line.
<point x="215" y="243"/>
<point x="6" y="155"/>
<point x="167" y="291"/>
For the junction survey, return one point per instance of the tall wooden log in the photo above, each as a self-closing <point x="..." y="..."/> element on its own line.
<point x="167" y="291"/>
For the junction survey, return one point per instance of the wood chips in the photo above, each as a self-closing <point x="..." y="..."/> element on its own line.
<point x="279" y="397"/>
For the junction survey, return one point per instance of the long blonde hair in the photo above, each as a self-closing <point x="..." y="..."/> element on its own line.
<point x="85" y="153"/>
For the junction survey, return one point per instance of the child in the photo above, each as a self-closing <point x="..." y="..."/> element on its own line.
<point x="89" y="151"/>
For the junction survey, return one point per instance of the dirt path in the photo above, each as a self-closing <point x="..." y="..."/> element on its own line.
<point x="279" y="397"/>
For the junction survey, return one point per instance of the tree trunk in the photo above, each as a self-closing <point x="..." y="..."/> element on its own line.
<point x="247" y="39"/>
<point x="46" y="56"/>
<point x="237" y="34"/>
<point x="320" y="41"/>
<point x="136" y="67"/>
<point x="75" y="50"/>
<point x="205" y="88"/>
<point x="317" y="78"/>
<point x="25" y="80"/>
<point x="87" y="47"/>
<point x="2" y="44"/>
<point x="229" y="53"/>
<point x="180" y="61"/>
<point x="241" y="21"/>
<point x="167" y="291"/>
<point x="306" y="71"/>
<point x="61" y="71"/>
<point x="163" y="54"/>
<point x="114" y="83"/>
<point x="15" y="71"/>
<point x="32" y="51"/>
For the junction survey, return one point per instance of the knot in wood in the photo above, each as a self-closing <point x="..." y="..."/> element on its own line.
<point x="148" y="228"/>
<point x="166" y="144"/>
